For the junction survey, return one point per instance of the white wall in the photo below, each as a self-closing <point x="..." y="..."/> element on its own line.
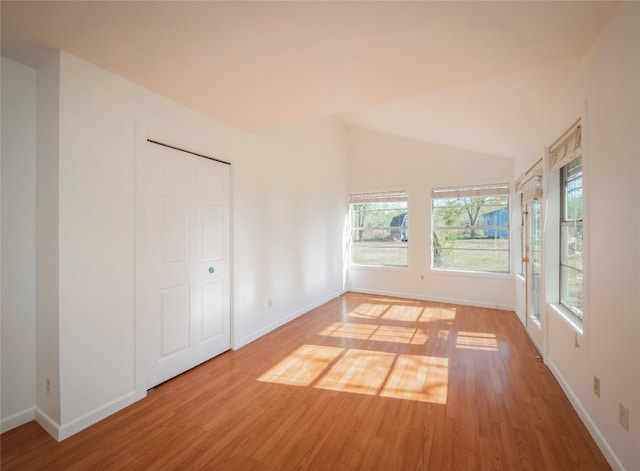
<point x="378" y="161"/>
<point x="288" y="225"/>
<point x="17" y="398"/>
<point x="605" y="92"/>
<point x="288" y="213"/>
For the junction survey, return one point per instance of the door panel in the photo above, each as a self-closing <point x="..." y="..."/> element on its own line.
<point x="534" y="271"/>
<point x="174" y="313"/>
<point x="185" y="282"/>
<point x="212" y="236"/>
<point x="212" y="316"/>
<point x="174" y="214"/>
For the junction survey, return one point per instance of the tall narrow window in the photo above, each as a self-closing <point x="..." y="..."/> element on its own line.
<point x="379" y="229"/>
<point x="471" y="228"/>
<point x="571" y="248"/>
<point x="565" y="155"/>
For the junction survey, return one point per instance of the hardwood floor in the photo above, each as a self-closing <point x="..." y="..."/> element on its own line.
<point x="362" y="382"/>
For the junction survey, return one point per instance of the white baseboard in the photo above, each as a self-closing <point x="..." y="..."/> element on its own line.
<point x="16" y="420"/>
<point x="597" y="436"/>
<point x="462" y="302"/>
<point x="97" y="415"/>
<point x="280" y="322"/>
<point x="65" y="431"/>
<point x="47" y="423"/>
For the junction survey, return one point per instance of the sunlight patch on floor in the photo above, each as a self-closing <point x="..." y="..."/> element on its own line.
<point x="368" y="311"/>
<point x="380" y="333"/>
<point x="358" y="371"/>
<point x="477" y="341"/>
<point x="303" y="366"/>
<point x="418" y="378"/>
<point x="409" y="377"/>
<point x="438" y="314"/>
<point x="403" y="313"/>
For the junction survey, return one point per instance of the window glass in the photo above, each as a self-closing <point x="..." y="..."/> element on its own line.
<point x="471" y="228"/>
<point x="571" y="235"/>
<point x="379" y="229"/>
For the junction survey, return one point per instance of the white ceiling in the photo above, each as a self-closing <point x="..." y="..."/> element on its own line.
<point x="475" y="75"/>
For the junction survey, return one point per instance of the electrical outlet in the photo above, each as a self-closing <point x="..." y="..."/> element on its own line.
<point x="596" y="385"/>
<point x="623" y="416"/>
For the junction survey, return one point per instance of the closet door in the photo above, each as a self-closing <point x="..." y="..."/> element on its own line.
<point x="186" y="264"/>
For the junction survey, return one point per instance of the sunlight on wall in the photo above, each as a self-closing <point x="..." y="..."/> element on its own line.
<point x="346" y="250"/>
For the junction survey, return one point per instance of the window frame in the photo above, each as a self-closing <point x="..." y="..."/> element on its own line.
<point x="380" y="197"/>
<point x="482" y="190"/>
<point x="567" y="222"/>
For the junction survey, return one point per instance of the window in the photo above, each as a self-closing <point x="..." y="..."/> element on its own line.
<point x="565" y="155"/>
<point x="471" y="228"/>
<point x="379" y="229"/>
<point x="571" y="252"/>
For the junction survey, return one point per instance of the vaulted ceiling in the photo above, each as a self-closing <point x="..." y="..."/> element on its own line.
<point x="475" y="75"/>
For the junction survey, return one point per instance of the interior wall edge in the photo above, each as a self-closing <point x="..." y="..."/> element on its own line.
<point x="47" y="423"/>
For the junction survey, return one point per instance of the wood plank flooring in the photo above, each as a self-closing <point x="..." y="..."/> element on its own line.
<point x="362" y="382"/>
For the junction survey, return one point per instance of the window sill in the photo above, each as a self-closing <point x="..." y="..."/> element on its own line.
<point x="378" y="267"/>
<point x="472" y="274"/>
<point x="568" y="317"/>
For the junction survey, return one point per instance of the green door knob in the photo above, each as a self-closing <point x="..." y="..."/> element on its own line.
<point x="211" y="269"/>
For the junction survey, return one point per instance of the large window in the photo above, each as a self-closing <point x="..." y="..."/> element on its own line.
<point x="571" y="252"/>
<point x="379" y="229"/>
<point x="471" y="228"/>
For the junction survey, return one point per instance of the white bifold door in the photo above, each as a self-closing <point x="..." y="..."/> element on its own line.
<point x="184" y="260"/>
